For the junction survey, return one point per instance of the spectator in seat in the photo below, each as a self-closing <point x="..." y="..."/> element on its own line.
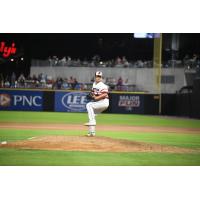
<point x="13" y="79"/>
<point x="1" y="81"/>
<point x="63" y="61"/>
<point x="74" y="83"/>
<point x="125" y="62"/>
<point x="7" y="82"/>
<point x="126" y="85"/>
<point x="21" y="80"/>
<point x="65" y="84"/>
<point x="118" y="61"/>
<point x="70" y="82"/>
<point x="59" y="83"/>
<point x="119" y="83"/>
<point x="50" y="61"/>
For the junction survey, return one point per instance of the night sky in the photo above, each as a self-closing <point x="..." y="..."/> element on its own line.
<point x="108" y="46"/>
<point x="86" y="45"/>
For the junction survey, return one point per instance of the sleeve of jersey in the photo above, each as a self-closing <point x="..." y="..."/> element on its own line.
<point x="104" y="90"/>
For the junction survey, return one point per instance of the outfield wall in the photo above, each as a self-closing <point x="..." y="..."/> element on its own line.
<point x="143" y="78"/>
<point x="75" y="101"/>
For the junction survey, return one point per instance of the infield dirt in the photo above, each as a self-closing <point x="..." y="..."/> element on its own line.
<point x="94" y="144"/>
<point x="55" y="126"/>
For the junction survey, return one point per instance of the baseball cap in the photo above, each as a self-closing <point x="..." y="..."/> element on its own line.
<point x="98" y="73"/>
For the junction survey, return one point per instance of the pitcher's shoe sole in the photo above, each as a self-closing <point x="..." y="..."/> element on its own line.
<point x="90" y="124"/>
<point x="90" y="135"/>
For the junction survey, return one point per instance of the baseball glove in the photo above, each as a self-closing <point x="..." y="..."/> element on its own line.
<point x="90" y="96"/>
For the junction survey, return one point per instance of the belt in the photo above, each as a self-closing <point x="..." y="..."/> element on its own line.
<point x="102" y="99"/>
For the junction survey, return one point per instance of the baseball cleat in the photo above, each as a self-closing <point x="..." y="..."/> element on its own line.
<point x="90" y="124"/>
<point x="90" y="135"/>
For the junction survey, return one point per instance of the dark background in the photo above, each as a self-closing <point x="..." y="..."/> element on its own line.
<point x="85" y="45"/>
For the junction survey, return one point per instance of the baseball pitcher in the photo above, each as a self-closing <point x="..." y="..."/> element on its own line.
<point x="99" y="101"/>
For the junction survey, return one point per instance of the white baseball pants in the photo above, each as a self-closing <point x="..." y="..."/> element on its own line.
<point x="95" y="108"/>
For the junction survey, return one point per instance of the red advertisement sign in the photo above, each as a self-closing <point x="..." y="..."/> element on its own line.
<point x="6" y="51"/>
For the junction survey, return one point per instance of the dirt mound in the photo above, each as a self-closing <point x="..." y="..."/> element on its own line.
<point x="91" y="144"/>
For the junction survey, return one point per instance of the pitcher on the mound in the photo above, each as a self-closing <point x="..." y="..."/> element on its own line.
<point x="99" y="102"/>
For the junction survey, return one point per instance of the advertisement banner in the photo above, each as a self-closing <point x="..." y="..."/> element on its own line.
<point x="70" y="101"/>
<point x="127" y="103"/>
<point x="21" y="100"/>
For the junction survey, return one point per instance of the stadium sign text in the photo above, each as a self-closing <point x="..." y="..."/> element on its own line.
<point x="74" y="101"/>
<point x="129" y="101"/>
<point x="27" y="101"/>
<point x="7" y="50"/>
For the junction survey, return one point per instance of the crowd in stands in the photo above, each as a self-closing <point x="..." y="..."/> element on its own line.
<point x="119" y="61"/>
<point x="191" y="62"/>
<point x="71" y="83"/>
<point x="96" y="61"/>
<point x="43" y="81"/>
<point x="40" y="81"/>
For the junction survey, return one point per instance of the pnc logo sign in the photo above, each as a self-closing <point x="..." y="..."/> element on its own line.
<point x="5" y="100"/>
<point x="20" y="100"/>
<point x="27" y="101"/>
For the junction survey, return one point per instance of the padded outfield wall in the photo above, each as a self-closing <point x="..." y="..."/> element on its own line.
<point x="186" y="105"/>
<point x="74" y="101"/>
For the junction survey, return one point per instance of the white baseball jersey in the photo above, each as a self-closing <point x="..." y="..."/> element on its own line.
<point x="99" y="88"/>
<point x="96" y="107"/>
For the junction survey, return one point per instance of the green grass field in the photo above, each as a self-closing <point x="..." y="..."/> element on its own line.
<point x="19" y="157"/>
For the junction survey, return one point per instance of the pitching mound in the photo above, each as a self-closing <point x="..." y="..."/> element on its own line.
<point x="91" y="144"/>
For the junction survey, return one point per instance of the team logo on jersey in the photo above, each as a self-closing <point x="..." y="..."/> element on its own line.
<point x="5" y="100"/>
<point x="75" y="101"/>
